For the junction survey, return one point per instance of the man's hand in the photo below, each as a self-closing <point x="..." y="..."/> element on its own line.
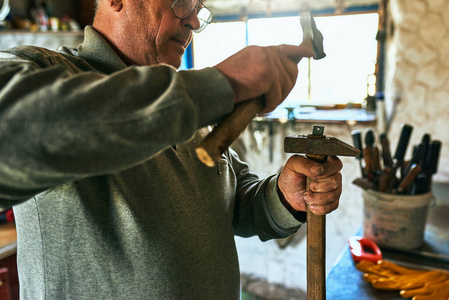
<point x="269" y="71"/>
<point x="325" y="185"/>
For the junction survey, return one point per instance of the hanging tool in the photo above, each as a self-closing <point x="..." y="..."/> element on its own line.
<point x="317" y="147"/>
<point x="222" y="136"/>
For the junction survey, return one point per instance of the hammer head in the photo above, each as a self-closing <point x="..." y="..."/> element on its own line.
<point x="313" y="35"/>
<point x="311" y="144"/>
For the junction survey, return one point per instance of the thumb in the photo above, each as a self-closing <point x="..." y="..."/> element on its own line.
<point x="300" y="164"/>
<point x="296" y="53"/>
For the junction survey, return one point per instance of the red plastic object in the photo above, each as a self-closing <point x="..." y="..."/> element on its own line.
<point x="363" y="248"/>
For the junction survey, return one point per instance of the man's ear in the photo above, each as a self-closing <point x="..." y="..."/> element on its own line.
<point x="116" y="5"/>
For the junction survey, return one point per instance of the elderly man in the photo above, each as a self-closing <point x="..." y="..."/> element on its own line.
<point x="97" y="158"/>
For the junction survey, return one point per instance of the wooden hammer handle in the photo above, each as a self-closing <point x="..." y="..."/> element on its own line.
<point x="316" y="248"/>
<point x="222" y="136"/>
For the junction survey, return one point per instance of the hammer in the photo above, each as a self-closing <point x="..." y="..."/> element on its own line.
<point x="224" y="134"/>
<point x="317" y="147"/>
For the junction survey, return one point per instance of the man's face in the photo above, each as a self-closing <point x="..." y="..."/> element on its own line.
<point x="154" y="34"/>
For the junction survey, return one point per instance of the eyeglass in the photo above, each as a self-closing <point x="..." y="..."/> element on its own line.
<point x="184" y="8"/>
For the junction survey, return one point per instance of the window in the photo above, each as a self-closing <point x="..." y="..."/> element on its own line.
<point x="342" y="77"/>
<point x="217" y="42"/>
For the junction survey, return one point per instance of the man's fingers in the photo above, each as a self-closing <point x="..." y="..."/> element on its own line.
<point x="327" y="184"/>
<point x="323" y="209"/>
<point x="331" y="166"/>
<point x="301" y="164"/>
<point x="323" y="203"/>
<point x="287" y="73"/>
<point x="264" y="71"/>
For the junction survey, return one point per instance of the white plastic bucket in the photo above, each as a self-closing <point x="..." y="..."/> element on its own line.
<point x="395" y="221"/>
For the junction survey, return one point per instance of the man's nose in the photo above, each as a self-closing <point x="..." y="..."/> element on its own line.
<point x="192" y="21"/>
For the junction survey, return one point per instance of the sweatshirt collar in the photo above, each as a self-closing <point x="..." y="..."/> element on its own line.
<point x="97" y="52"/>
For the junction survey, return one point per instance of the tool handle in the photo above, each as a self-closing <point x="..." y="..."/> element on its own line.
<point x="434" y="155"/>
<point x="376" y="160"/>
<point x="418" y="155"/>
<point x="426" y="144"/>
<point x="386" y="179"/>
<point x="386" y="155"/>
<point x="404" y="138"/>
<point x="368" y="153"/>
<point x="222" y="136"/>
<point x="357" y="140"/>
<point x="369" y="138"/>
<point x="408" y="178"/>
<point x="316" y="247"/>
<point x="364" y="183"/>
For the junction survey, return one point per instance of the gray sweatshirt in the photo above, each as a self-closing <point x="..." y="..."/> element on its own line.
<point x="98" y="160"/>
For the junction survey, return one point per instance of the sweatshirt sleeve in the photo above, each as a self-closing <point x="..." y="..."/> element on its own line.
<point x="258" y="209"/>
<point x="59" y="124"/>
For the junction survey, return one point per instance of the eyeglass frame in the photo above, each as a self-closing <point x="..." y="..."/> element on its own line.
<point x="191" y="12"/>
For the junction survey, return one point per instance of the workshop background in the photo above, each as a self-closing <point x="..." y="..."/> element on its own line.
<point x="416" y="93"/>
<point x="414" y="37"/>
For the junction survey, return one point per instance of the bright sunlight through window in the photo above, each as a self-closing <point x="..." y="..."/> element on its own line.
<point x="339" y="78"/>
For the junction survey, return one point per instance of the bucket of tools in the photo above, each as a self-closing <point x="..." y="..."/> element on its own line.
<point x="395" y="221"/>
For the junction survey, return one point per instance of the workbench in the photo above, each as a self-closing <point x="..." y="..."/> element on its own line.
<point x="345" y="282"/>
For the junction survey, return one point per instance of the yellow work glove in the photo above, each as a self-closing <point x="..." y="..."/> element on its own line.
<point x="430" y="291"/>
<point x="419" y="284"/>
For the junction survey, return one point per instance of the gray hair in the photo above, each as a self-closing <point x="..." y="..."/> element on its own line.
<point x="96" y="2"/>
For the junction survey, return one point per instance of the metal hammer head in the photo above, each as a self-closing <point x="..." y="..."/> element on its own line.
<point x="318" y="144"/>
<point x="312" y="34"/>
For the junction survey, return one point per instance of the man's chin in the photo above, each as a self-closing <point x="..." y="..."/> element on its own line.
<point x="174" y="62"/>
